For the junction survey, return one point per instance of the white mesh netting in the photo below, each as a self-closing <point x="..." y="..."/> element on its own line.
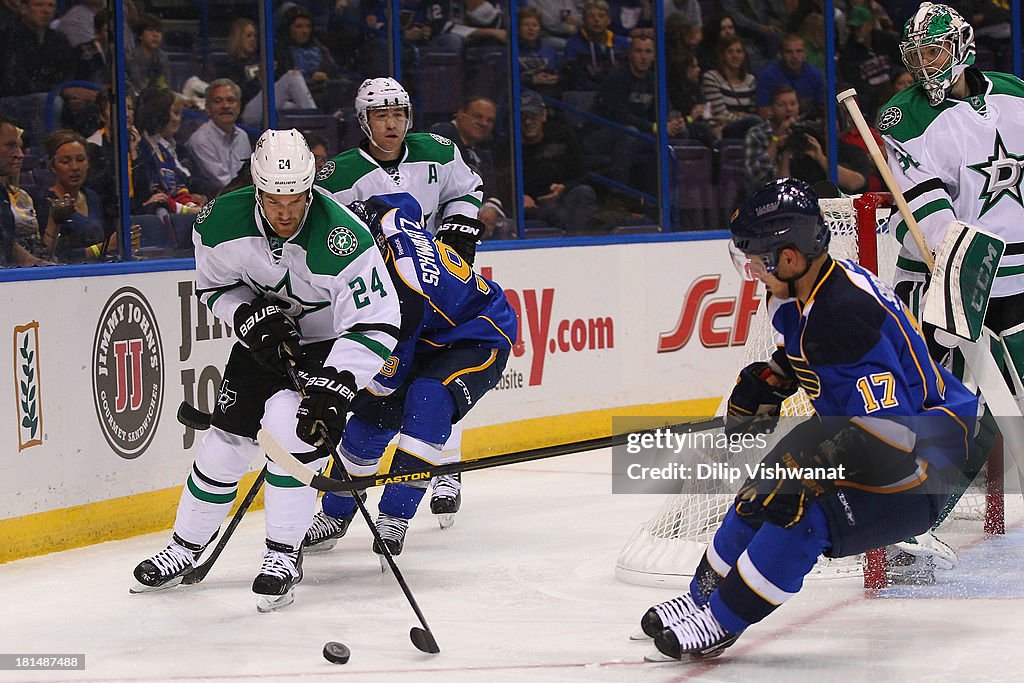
<point x="665" y="549"/>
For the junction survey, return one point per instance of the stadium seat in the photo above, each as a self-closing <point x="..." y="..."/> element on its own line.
<point x="440" y="84"/>
<point x="694" y="195"/>
<point x="731" y="177"/>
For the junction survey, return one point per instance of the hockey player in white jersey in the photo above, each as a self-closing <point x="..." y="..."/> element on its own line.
<point x="430" y="168"/>
<point x="295" y="271"/>
<point x="954" y="143"/>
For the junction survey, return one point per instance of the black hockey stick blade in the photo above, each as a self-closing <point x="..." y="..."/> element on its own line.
<point x="192" y="417"/>
<point x="423" y="640"/>
<point x="201" y="570"/>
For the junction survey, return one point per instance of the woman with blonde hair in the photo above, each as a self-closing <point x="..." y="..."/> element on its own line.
<point x="243" y="65"/>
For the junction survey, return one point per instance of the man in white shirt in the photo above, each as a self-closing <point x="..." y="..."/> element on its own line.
<point x="219" y="147"/>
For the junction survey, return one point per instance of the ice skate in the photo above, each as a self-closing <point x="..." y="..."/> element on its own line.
<point x="697" y="636"/>
<point x="931" y="546"/>
<point x="324" y="532"/>
<point x="446" y="498"/>
<point x="392" y="532"/>
<point x="275" y="584"/>
<point x="167" y="568"/>
<point x="658" y="617"/>
<point x="904" y="569"/>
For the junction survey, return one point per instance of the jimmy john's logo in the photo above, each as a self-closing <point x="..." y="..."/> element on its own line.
<point x="128" y="375"/>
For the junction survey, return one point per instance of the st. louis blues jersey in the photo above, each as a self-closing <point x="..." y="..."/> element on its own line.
<point x="444" y="302"/>
<point x="859" y="355"/>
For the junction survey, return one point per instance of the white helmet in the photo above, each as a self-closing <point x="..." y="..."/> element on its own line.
<point x="282" y="163"/>
<point x="937" y="46"/>
<point x="381" y="93"/>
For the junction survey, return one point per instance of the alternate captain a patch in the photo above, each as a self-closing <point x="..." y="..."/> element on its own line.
<point x="342" y="241"/>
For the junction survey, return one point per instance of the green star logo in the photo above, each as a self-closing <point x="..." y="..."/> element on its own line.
<point x="342" y="241"/>
<point x="282" y="294"/>
<point x="1002" y="176"/>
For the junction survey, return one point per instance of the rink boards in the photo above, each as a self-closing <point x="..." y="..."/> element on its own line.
<point x="96" y="368"/>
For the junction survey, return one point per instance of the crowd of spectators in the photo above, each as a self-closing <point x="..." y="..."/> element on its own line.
<point x="739" y="73"/>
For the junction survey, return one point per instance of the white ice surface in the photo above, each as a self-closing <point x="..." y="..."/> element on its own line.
<point x="521" y="588"/>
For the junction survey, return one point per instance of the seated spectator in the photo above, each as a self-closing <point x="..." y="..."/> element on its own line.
<point x="632" y="14"/>
<point x="792" y="69"/>
<point x="218" y="148"/>
<point x="719" y="28"/>
<point x="147" y="66"/>
<point x="102" y="176"/>
<point x="759" y="24"/>
<point x="470" y="130"/>
<point x="559" y="21"/>
<point x="20" y="244"/>
<point x="690" y="10"/>
<point x="554" y="171"/>
<point x="318" y="146"/>
<point x="730" y="90"/>
<point x="77" y="23"/>
<point x="539" y="63"/>
<point x="784" y="146"/>
<point x="812" y="30"/>
<point x="298" y="48"/>
<point x="243" y="64"/>
<point x="868" y="60"/>
<point x="594" y="50"/>
<point x="33" y="59"/>
<point x="159" y="119"/>
<point x="93" y="56"/>
<point x="686" y="97"/>
<point x="70" y="214"/>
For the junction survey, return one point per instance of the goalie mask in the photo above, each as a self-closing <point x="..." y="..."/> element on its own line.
<point x="937" y="46"/>
<point x="783" y="213"/>
<point x="381" y="93"/>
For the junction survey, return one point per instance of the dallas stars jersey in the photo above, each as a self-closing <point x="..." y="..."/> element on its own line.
<point x="329" y="276"/>
<point x="960" y="160"/>
<point x="431" y="169"/>
<point x="857" y="353"/>
<point x="443" y="301"/>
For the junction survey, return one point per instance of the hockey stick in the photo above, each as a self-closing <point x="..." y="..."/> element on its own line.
<point x="200" y="571"/>
<point x="192" y="417"/>
<point x="310" y="477"/>
<point x="983" y="366"/>
<point x="422" y="638"/>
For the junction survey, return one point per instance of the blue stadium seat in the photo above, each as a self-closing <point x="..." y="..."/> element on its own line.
<point x="731" y="177"/>
<point x="694" y="195"/>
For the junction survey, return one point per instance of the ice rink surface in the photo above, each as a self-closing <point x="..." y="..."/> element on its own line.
<point x="521" y="588"/>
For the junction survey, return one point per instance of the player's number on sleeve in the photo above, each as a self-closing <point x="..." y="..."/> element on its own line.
<point x="878" y="391"/>
<point x="360" y="295"/>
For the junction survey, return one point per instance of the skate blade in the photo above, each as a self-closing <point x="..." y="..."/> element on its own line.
<point x="446" y="520"/>
<point x="272" y="603"/>
<point x="657" y="657"/>
<point x="639" y="635"/>
<point x="319" y="547"/>
<point x="143" y="588"/>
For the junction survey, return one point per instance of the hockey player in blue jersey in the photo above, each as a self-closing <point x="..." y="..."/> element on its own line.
<point x="456" y="334"/>
<point x="898" y="425"/>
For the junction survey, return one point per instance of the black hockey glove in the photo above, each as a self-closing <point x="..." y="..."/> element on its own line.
<point x="756" y="400"/>
<point x="268" y="333"/>
<point x="326" y="395"/>
<point x="779" y="499"/>
<point x="462" y="234"/>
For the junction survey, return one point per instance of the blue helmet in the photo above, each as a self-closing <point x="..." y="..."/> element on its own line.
<point x="783" y="213"/>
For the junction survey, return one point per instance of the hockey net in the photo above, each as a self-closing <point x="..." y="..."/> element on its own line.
<point x="665" y="549"/>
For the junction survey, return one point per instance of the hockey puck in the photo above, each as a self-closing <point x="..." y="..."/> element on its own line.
<point x="336" y="653"/>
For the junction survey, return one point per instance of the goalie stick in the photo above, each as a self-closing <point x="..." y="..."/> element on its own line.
<point x="421" y="636"/>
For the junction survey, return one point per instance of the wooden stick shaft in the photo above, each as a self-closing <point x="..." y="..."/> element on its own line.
<point x="848" y="98"/>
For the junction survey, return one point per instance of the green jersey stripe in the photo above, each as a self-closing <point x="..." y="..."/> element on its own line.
<point x="375" y="346"/>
